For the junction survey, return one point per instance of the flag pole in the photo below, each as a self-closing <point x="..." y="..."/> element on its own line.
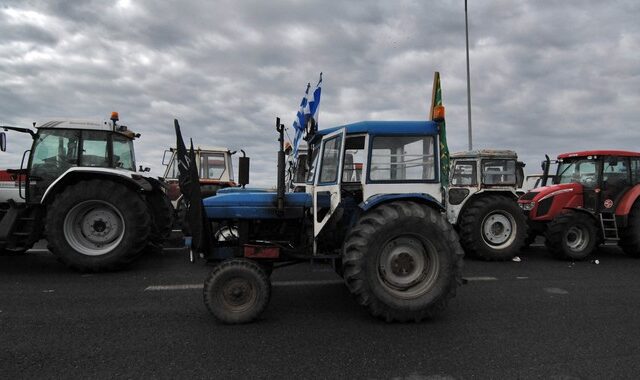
<point x="466" y="28"/>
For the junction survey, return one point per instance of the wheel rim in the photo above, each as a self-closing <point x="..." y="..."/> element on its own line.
<point x="227" y="233"/>
<point x="499" y="229"/>
<point x="408" y="267"/>
<point x="577" y="238"/>
<point x="238" y="295"/>
<point x="94" y="227"/>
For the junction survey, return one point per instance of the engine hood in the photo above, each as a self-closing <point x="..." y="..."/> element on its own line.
<point x="553" y="190"/>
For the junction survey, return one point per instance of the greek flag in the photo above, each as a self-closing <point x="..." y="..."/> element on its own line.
<point x="309" y="107"/>
<point x="313" y="103"/>
<point x="300" y="122"/>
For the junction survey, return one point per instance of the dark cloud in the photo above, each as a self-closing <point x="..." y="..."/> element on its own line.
<point x="547" y="76"/>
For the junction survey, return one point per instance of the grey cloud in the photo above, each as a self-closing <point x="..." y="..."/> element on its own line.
<point x="547" y="76"/>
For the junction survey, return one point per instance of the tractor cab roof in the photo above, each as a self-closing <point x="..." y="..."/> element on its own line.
<point x="586" y="153"/>
<point x="88" y="125"/>
<point x="486" y="153"/>
<point x="76" y="124"/>
<point x="206" y="149"/>
<point x="386" y="128"/>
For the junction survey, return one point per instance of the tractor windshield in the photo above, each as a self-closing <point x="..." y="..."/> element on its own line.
<point x="581" y="170"/>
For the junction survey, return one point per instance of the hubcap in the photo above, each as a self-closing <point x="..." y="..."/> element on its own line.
<point x="577" y="238"/>
<point x="93" y="227"/>
<point x="499" y="229"/>
<point x="407" y="268"/>
<point x="238" y="294"/>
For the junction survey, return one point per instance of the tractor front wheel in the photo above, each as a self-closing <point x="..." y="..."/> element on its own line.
<point x="237" y="291"/>
<point x="97" y="225"/>
<point x="571" y="236"/>
<point x="402" y="261"/>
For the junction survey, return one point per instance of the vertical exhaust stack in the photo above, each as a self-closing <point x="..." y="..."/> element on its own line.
<point x="281" y="168"/>
<point x="243" y="170"/>
<point x="545" y="170"/>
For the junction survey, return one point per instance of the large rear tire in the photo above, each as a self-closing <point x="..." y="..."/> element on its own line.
<point x="237" y="291"/>
<point x="630" y="236"/>
<point x="493" y="227"/>
<point x="97" y="225"/>
<point x="571" y="236"/>
<point x="402" y="261"/>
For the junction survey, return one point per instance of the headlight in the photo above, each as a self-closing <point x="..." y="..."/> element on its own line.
<point x="527" y="206"/>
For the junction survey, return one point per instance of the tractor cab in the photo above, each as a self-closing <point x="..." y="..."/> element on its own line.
<point x="215" y="171"/>
<point x="61" y="145"/>
<point x="594" y="181"/>
<point x="363" y="164"/>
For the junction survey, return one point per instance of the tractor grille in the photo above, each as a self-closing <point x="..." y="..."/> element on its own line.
<point x="544" y="206"/>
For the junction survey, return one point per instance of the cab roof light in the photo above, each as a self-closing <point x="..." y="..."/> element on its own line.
<point x="438" y="113"/>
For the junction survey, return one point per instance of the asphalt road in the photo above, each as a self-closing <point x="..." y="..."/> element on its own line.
<point x="538" y="318"/>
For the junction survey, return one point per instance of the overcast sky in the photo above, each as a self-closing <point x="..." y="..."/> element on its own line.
<point x="546" y="76"/>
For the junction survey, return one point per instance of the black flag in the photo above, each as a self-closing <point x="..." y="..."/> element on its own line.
<point x="189" y="182"/>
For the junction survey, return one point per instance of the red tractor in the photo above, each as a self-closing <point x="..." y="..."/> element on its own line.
<point x="593" y="200"/>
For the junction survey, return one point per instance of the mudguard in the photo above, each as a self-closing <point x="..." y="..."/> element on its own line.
<point x="132" y="178"/>
<point x="383" y="198"/>
<point x="627" y="201"/>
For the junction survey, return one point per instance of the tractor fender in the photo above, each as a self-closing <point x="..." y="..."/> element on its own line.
<point x="454" y="212"/>
<point x="128" y="178"/>
<point x="417" y="197"/>
<point x="627" y="201"/>
<point x="582" y="211"/>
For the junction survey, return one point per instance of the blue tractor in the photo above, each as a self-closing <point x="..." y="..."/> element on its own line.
<point x="372" y="206"/>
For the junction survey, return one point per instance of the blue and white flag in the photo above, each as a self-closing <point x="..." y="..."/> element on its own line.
<point x="313" y="103"/>
<point x="300" y="122"/>
<point x="309" y="107"/>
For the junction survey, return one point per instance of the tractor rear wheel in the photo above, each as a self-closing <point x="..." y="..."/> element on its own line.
<point x="493" y="227"/>
<point x="571" y="236"/>
<point x="237" y="291"/>
<point x="402" y="261"/>
<point x="97" y="225"/>
<point x="630" y="236"/>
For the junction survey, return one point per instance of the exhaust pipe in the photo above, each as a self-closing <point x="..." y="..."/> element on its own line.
<point x="281" y="168"/>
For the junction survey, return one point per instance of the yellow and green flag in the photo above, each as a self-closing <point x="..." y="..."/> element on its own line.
<point x="436" y="100"/>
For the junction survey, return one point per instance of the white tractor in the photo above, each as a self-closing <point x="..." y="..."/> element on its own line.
<point x="78" y="187"/>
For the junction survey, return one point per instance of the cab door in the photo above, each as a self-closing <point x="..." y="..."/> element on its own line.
<point x="326" y="190"/>
<point x="616" y="181"/>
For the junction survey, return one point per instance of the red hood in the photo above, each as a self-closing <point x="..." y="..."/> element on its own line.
<point x="548" y="201"/>
<point x="551" y="190"/>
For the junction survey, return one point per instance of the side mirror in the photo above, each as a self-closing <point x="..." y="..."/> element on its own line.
<point x="3" y="141"/>
<point x="165" y="160"/>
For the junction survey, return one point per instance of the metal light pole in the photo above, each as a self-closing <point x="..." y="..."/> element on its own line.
<point x="466" y="28"/>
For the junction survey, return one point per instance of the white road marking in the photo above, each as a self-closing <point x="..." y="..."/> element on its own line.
<point x="556" y="291"/>
<point x="522" y="278"/>
<point x="481" y="278"/>
<point x="275" y="284"/>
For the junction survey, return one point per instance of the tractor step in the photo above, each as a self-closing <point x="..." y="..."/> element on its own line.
<point x="609" y="226"/>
